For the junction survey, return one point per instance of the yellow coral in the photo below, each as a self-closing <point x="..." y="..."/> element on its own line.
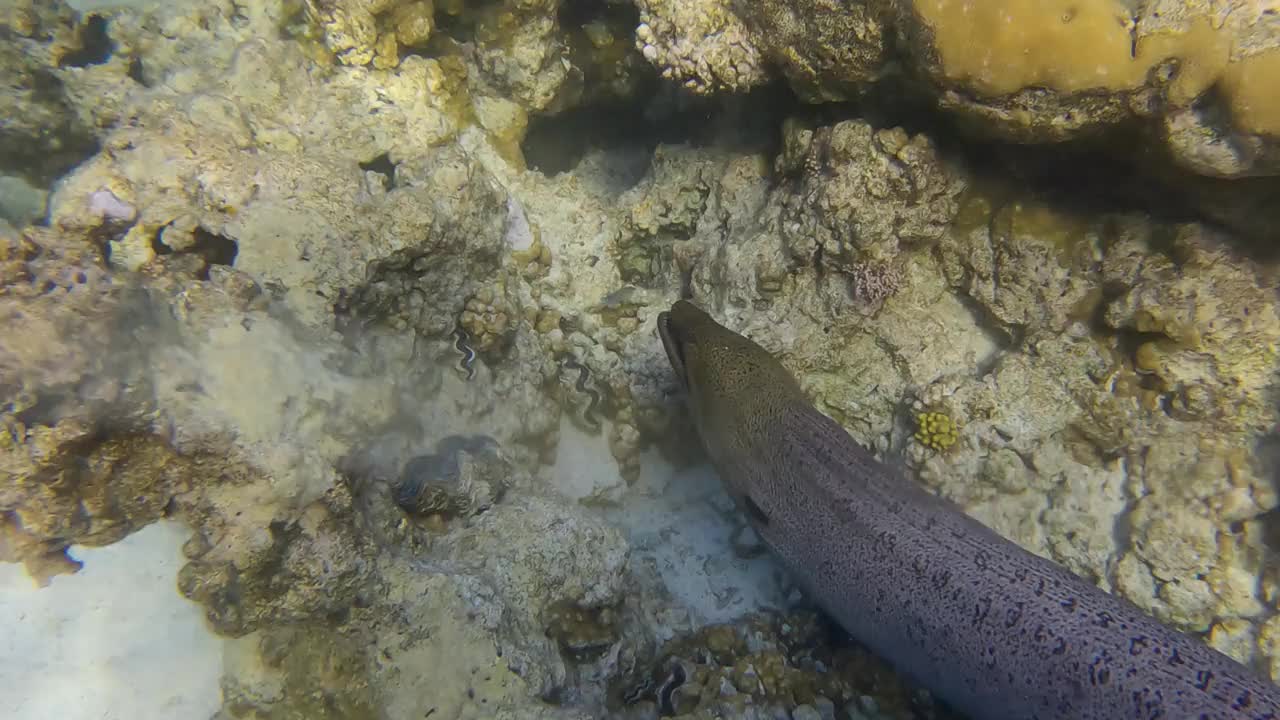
<point x="1078" y="45"/>
<point x="936" y="430"/>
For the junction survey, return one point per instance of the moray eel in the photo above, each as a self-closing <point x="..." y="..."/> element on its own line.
<point x="993" y="630"/>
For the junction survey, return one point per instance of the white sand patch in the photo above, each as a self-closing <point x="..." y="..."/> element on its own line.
<point x="114" y="641"/>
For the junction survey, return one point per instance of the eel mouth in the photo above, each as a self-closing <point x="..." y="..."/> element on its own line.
<point x="675" y="348"/>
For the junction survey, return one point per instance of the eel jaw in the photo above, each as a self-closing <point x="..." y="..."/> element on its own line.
<point x="675" y="350"/>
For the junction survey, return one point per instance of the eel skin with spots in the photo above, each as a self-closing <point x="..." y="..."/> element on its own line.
<point x="991" y="629"/>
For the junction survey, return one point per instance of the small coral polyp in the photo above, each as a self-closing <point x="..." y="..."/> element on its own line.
<point x="936" y="430"/>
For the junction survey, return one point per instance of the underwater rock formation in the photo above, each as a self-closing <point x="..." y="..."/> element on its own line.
<point x="862" y="198"/>
<point x="372" y="31"/>
<point x="310" y="250"/>
<point x="704" y="46"/>
<point x="43" y="133"/>
<point x="1207" y="326"/>
<point x="1031" y="268"/>
<point x="79" y="465"/>
<point x="1195" y="73"/>
<point x="521" y="51"/>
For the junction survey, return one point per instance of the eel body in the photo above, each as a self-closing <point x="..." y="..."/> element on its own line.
<point x="990" y="628"/>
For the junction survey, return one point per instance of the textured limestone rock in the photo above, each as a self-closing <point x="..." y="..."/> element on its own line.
<point x="663" y="209"/>
<point x="827" y="50"/>
<point x="308" y="566"/>
<point x="530" y="558"/>
<point x="521" y="50"/>
<point x="75" y="415"/>
<point x="487" y="320"/>
<point x="1197" y="552"/>
<point x="704" y="46"/>
<point x="293" y="200"/>
<point x="92" y="450"/>
<point x="1210" y="330"/>
<point x="362" y="32"/>
<point x="57" y="287"/>
<point x="417" y="625"/>
<point x="82" y="490"/>
<point x="768" y="665"/>
<point x="20" y="203"/>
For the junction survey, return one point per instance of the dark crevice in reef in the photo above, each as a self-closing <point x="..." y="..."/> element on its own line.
<point x="96" y="45"/>
<point x="137" y="72"/>
<point x="212" y="248"/>
<point x="48" y="409"/>
<point x="556" y="144"/>
<point x="664" y="115"/>
<point x="1089" y="176"/>
<point x="45" y="87"/>
<point x="576" y="13"/>
<point x="157" y="245"/>
<point x="600" y="39"/>
<point x="625" y="109"/>
<point x="460" y="26"/>
<point x="383" y="166"/>
<point x="215" y="249"/>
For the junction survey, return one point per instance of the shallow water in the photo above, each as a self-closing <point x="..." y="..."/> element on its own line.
<point x="111" y="641"/>
<point x="258" y="257"/>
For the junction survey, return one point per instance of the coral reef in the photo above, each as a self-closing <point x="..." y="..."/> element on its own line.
<point x="1206" y="327"/>
<point x="465" y="476"/>
<point x="1024" y="70"/>
<point x="831" y="220"/>
<point x="74" y="478"/>
<point x="308" y="297"/>
<point x="1052" y="256"/>
<point x="372" y="31"/>
<point x="770" y="666"/>
<point x="87" y="491"/>
<point x="704" y="46"/>
<point x="826" y="50"/>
